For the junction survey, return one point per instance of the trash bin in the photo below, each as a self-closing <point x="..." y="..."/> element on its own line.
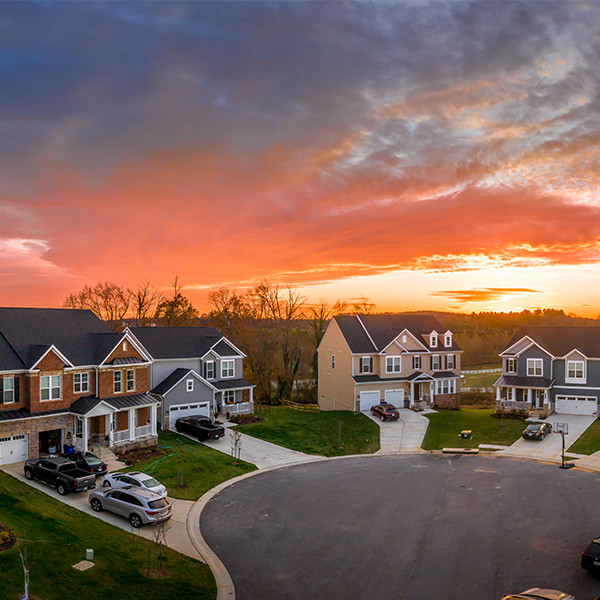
<point x="68" y="448"/>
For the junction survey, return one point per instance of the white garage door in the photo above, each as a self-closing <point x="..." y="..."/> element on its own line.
<point x="395" y="397"/>
<point x="368" y="399"/>
<point x="576" y="405"/>
<point x="13" y="449"/>
<point x="187" y="410"/>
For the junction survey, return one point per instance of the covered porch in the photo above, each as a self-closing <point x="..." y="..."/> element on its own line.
<point x="118" y="423"/>
<point x="523" y="393"/>
<point x="234" y="397"/>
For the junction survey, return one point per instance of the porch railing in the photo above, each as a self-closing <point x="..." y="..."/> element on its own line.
<point x="143" y="431"/>
<point x="239" y="408"/>
<point x="120" y="436"/>
<point x="511" y="405"/>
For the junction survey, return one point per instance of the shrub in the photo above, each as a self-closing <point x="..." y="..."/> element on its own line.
<point x="511" y="414"/>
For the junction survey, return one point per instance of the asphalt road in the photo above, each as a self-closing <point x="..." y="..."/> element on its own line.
<point x="428" y="527"/>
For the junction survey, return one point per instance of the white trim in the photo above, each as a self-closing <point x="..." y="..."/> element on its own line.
<point x="227" y="360"/>
<point x="533" y="361"/>
<point x="365" y="329"/>
<point x="404" y="332"/>
<point x="231" y="345"/>
<point x="393" y="359"/>
<point x="574" y="351"/>
<point x="532" y="343"/>
<point x="572" y="387"/>
<point x="127" y="336"/>
<point x="194" y="374"/>
<point x="137" y="344"/>
<point x="583" y="378"/>
<point x="56" y="351"/>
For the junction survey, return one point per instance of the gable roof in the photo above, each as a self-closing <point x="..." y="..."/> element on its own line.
<point x="177" y="342"/>
<point x="373" y="333"/>
<point x="27" y="333"/>
<point x="178" y="375"/>
<point x="561" y="340"/>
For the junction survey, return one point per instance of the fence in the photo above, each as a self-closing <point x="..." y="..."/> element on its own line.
<point x="302" y="407"/>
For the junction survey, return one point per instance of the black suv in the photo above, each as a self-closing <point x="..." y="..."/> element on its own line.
<point x="590" y="557"/>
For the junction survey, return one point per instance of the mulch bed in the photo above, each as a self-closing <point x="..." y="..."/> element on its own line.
<point x="143" y="454"/>
<point x="7" y="538"/>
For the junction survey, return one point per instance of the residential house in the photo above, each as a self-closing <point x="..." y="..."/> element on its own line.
<point x="194" y="370"/>
<point x="551" y="369"/>
<point x="66" y="378"/>
<point x="400" y="359"/>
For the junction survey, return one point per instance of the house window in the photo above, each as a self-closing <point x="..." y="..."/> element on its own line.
<point x="534" y="367"/>
<point x="209" y="369"/>
<point x="229" y="397"/>
<point x="450" y="362"/>
<point x="333" y="361"/>
<point x="445" y="386"/>
<point x="448" y="340"/>
<point x="366" y="364"/>
<point x="124" y="346"/>
<point x="416" y="362"/>
<point x="511" y="365"/>
<point x="118" y="382"/>
<point x="433" y="340"/>
<point x="9" y="391"/>
<point x="189" y="385"/>
<point x="404" y="339"/>
<point x="393" y="364"/>
<point x="435" y="362"/>
<point x="227" y="368"/>
<point x="575" y="369"/>
<point x="81" y="383"/>
<point x="130" y="380"/>
<point x="79" y="427"/>
<point x="50" y="387"/>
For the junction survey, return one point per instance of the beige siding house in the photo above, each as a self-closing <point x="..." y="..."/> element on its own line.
<point x="400" y="359"/>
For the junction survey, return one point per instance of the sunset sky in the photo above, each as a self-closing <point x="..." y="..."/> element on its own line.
<point x="436" y="155"/>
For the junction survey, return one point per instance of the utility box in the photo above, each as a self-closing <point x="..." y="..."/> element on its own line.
<point x="89" y="554"/>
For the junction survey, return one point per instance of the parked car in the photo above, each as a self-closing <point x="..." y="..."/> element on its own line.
<point x="590" y="557"/>
<point x="200" y="427"/>
<point x="139" y="505"/>
<point x="537" y="431"/>
<point x="385" y="411"/>
<point x="60" y="473"/>
<point x="134" y="479"/>
<point x="88" y="462"/>
<point x="540" y="594"/>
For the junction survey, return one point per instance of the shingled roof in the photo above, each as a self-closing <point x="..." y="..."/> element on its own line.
<point x="561" y="340"/>
<point x="373" y="333"/>
<point x="177" y="342"/>
<point x="27" y="333"/>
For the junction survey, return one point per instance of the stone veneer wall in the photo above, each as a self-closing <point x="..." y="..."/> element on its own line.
<point x="32" y="428"/>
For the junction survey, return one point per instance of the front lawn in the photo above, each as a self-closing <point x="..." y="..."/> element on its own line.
<point x="189" y="468"/>
<point x="445" y="426"/>
<point x="479" y="379"/>
<point x="54" y="537"/>
<point x="589" y="441"/>
<point x="328" y="433"/>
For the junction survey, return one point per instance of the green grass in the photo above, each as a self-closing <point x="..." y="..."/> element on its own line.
<point x="589" y="441"/>
<point x="317" y="432"/>
<point x="55" y="537"/>
<point x="445" y="426"/>
<point x="203" y="467"/>
<point x="479" y="379"/>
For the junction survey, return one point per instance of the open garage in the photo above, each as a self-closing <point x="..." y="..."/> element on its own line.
<point x="413" y="527"/>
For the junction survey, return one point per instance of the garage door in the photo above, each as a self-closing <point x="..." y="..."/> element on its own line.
<point x="395" y="397"/>
<point x="187" y="410"/>
<point x="13" y="449"/>
<point x="368" y="399"/>
<point x="576" y="405"/>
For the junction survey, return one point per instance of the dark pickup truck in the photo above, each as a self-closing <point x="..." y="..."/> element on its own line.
<point x="61" y="473"/>
<point x="201" y="427"/>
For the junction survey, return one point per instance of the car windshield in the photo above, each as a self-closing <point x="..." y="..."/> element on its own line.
<point x="150" y="482"/>
<point x="161" y="503"/>
<point x="92" y="460"/>
<point x="533" y="427"/>
<point x="391" y="409"/>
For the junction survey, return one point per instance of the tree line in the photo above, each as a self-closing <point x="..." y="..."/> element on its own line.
<point x="279" y="331"/>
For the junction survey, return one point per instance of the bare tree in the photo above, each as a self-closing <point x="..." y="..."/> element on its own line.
<point x="363" y="306"/>
<point x="144" y="301"/>
<point x="319" y="318"/>
<point x="108" y="301"/>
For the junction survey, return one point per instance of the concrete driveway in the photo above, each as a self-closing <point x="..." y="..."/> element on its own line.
<point x="551" y="446"/>
<point x="404" y="435"/>
<point x="175" y="528"/>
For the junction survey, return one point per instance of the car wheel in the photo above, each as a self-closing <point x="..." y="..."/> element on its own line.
<point x="135" y="520"/>
<point x="106" y="483"/>
<point x="96" y="506"/>
<point x="177" y="427"/>
<point x="61" y="488"/>
<point x="28" y="474"/>
<point x="201" y="438"/>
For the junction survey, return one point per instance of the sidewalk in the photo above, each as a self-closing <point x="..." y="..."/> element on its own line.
<point x="404" y="435"/>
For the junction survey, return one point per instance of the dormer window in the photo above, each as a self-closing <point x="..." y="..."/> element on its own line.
<point x="575" y="371"/>
<point x="124" y="346"/>
<point x="366" y="364"/>
<point x="433" y="339"/>
<point x="448" y="340"/>
<point x="404" y="338"/>
<point x="511" y="365"/>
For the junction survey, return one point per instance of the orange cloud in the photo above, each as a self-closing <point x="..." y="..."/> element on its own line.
<point x="478" y="295"/>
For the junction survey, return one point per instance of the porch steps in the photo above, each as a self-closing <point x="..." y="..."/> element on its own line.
<point x="107" y="456"/>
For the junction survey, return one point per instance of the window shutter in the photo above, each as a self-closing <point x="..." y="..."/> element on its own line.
<point x="204" y="370"/>
<point x="361" y="365"/>
<point x="16" y="386"/>
<point x="370" y="364"/>
<point x="2" y="391"/>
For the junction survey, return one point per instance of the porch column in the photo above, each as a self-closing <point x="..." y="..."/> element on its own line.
<point x="153" y="419"/>
<point x="431" y="391"/>
<point x="513" y="396"/>
<point x="546" y="397"/>
<point x="84" y="434"/>
<point x="251" y="396"/>
<point x="530" y="396"/>
<point x="498" y="394"/>
<point x="131" y="423"/>
<point x="108" y="431"/>
<point x="412" y="394"/>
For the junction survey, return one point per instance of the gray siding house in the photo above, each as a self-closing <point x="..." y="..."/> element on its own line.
<point x="194" y="370"/>
<point x="551" y="369"/>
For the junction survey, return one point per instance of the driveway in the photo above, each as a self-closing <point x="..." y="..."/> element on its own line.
<point x="551" y="446"/>
<point x="412" y="527"/>
<point x="175" y="528"/>
<point x="404" y="435"/>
